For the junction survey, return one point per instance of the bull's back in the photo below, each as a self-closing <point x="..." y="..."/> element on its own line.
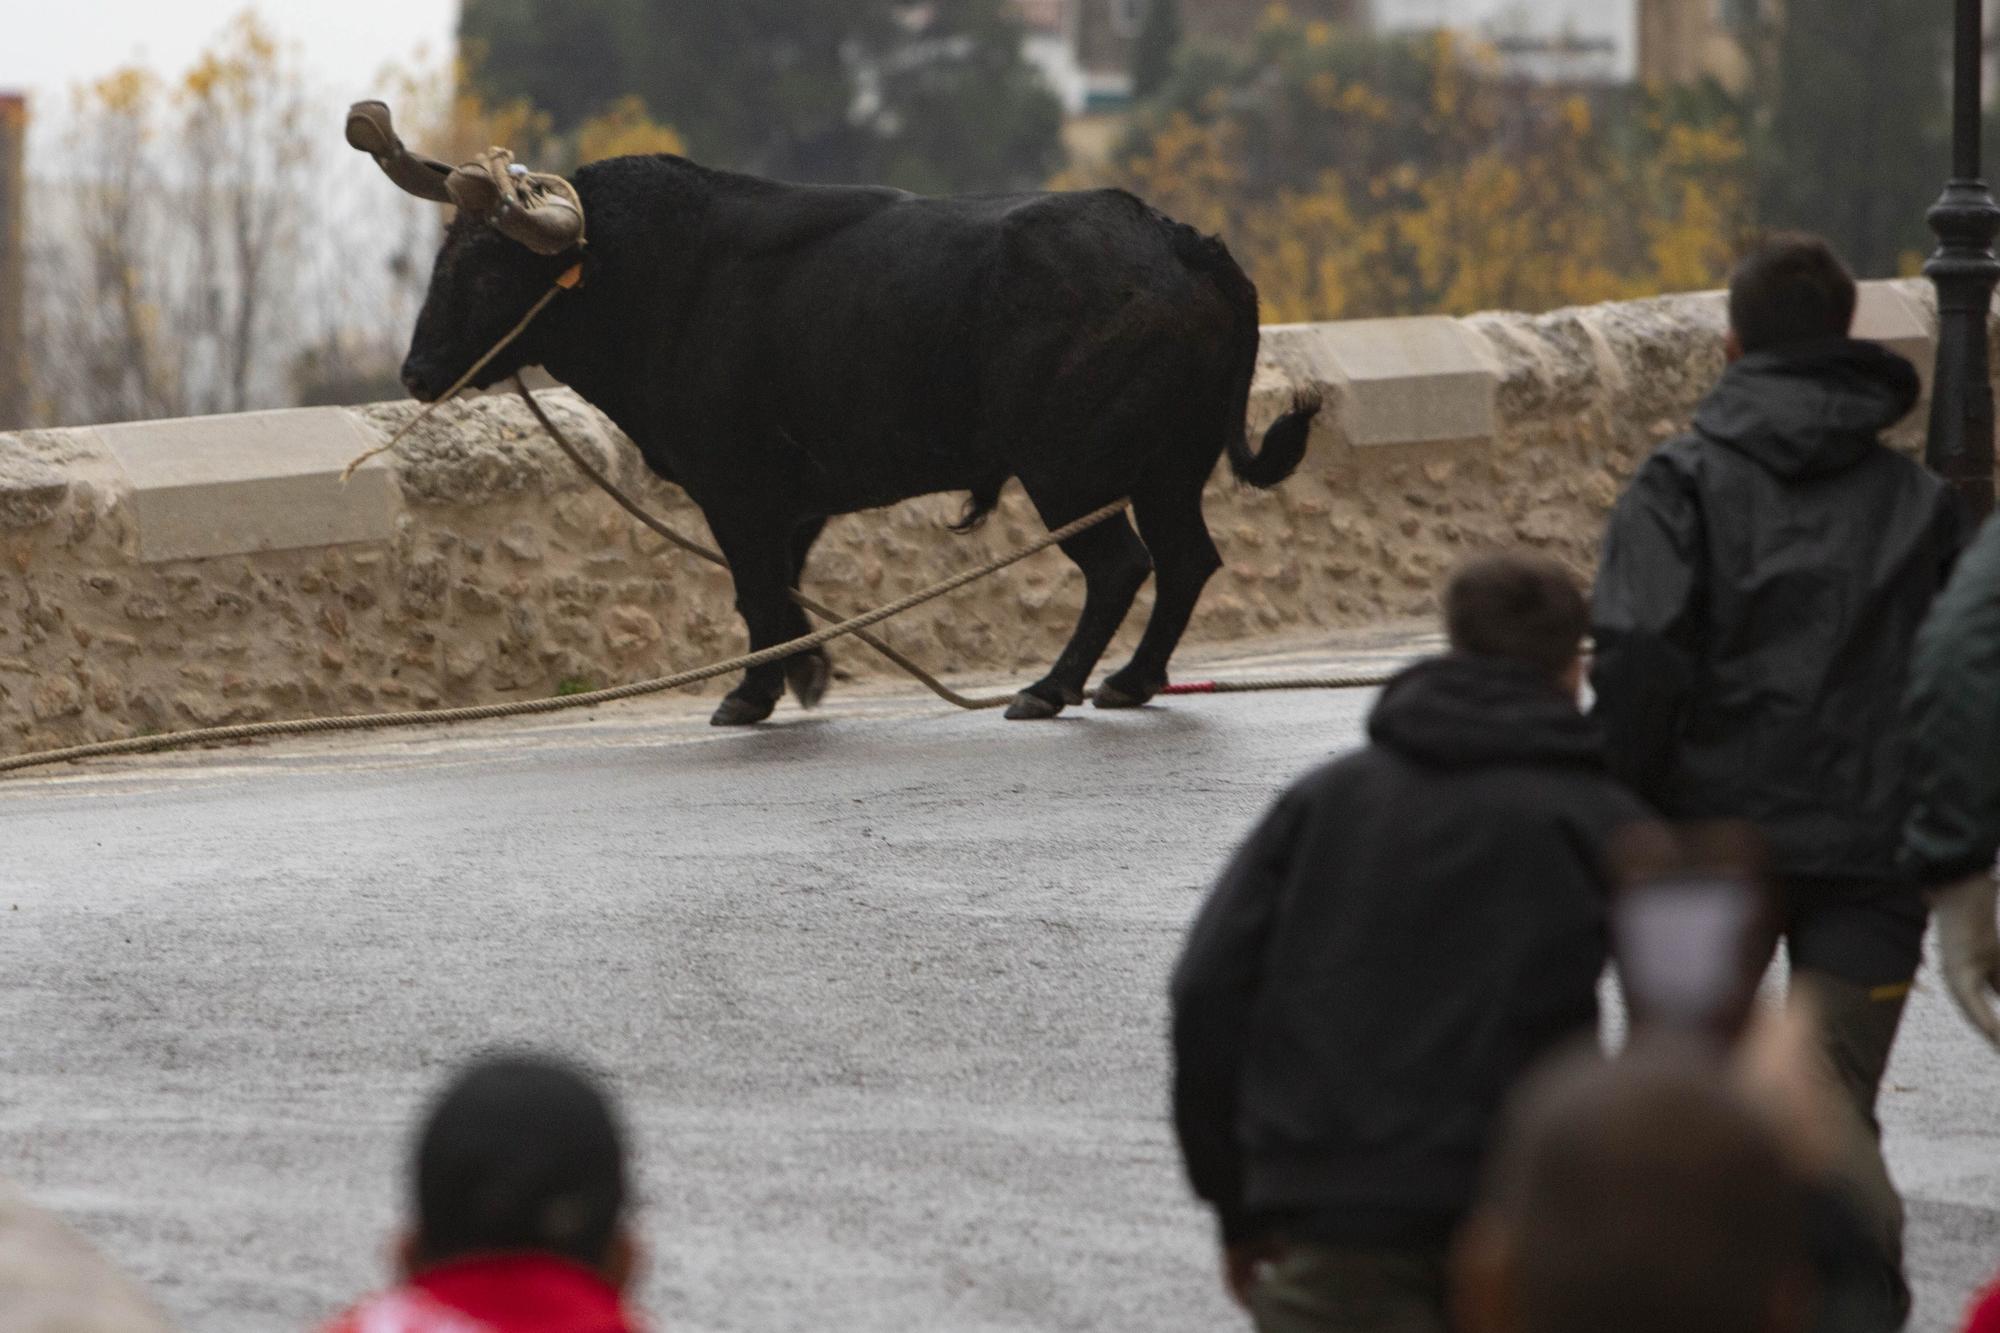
<point x="924" y="342"/>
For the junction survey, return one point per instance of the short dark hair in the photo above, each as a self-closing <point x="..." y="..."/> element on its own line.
<point x="1520" y="607"/>
<point x="1790" y="287"/>
<point x="521" y="1152"/>
<point x="1644" y="1194"/>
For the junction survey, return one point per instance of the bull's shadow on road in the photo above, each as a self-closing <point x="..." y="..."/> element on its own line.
<point x="854" y="736"/>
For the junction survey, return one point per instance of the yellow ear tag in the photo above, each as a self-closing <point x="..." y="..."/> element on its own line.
<point x="572" y="277"/>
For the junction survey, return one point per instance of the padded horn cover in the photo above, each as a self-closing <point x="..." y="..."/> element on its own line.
<point x="370" y="129"/>
<point x="539" y="210"/>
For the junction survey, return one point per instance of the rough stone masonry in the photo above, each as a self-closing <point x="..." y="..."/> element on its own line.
<point x="170" y="575"/>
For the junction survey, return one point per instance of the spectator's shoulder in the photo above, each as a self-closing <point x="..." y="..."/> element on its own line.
<point x="1621" y="806"/>
<point x="1683" y="452"/>
<point x="406" y="1311"/>
<point x="1336" y="777"/>
<point x="1904" y="464"/>
<point x="1674" y="468"/>
<point x="1985" y="1315"/>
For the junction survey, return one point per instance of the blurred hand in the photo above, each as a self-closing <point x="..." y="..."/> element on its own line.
<point x="1969" y="949"/>
<point x="1782" y="1070"/>
<point x="1243" y="1264"/>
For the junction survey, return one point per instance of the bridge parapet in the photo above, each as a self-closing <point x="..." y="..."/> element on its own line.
<point x="171" y="574"/>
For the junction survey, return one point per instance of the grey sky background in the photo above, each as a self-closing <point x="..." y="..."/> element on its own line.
<point x="51" y="45"/>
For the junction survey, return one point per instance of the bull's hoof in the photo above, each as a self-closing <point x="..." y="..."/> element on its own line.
<point x="1117" y="693"/>
<point x="808" y="674"/>
<point x="736" y="711"/>
<point x="1030" y="707"/>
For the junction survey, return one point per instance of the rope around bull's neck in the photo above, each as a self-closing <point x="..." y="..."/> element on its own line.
<point x="566" y="282"/>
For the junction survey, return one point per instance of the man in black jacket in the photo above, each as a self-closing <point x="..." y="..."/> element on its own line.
<point x="1408" y="929"/>
<point x="1762" y="582"/>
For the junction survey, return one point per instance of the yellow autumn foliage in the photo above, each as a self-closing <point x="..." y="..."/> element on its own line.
<point x="1498" y="195"/>
<point x="625" y="129"/>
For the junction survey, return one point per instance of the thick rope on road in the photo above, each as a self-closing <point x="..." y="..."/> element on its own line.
<point x="1361" y="682"/>
<point x="923" y="677"/>
<point x="696" y="549"/>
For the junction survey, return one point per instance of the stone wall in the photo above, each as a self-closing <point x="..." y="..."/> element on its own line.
<point x="167" y="575"/>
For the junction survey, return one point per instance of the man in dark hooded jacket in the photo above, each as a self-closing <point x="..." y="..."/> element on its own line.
<point x="1953" y="712"/>
<point x="1407" y="930"/>
<point x="1762" y="582"/>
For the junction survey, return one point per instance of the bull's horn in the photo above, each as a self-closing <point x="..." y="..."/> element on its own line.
<point x="1969" y="950"/>
<point x="538" y="210"/>
<point x="370" y="129"/>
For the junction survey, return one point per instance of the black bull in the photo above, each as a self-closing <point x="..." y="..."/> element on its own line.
<point x="787" y="353"/>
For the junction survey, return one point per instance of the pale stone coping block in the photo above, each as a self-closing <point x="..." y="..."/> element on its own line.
<point x="1423" y="380"/>
<point x="1888" y="315"/>
<point x="257" y="481"/>
<point x="53" y="1279"/>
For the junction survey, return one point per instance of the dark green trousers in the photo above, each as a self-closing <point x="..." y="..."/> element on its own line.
<point x="1341" y="1289"/>
<point x="1855" y="949"/>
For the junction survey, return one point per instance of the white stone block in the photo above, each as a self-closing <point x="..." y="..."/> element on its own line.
<point x="257" y="481"/>
<point x="1886" y="315"/>
<point x="1426" y="380"/>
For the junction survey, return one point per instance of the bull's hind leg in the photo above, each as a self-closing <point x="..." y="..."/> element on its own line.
<point x="809" y="672"/>
<point x="1184" y="557"/>
<point x="1114" y="565"/>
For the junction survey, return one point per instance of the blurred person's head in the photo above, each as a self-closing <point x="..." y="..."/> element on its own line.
<point x="1790" y="287"/>
<point x="521" y="1153"/>
<point x="1520" y="608"/>
<point x="1643" y="1195"/>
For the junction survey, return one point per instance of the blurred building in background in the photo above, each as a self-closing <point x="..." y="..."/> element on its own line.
<point x="1573" y="43"/>
<point x="13" y="261"/>
<point x="1086" y="48"/>
<point x="1687" y="41"/>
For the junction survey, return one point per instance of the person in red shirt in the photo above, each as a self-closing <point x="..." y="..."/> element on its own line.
<point x="519" y="1194"/>
<point x="1986" y="1312"/>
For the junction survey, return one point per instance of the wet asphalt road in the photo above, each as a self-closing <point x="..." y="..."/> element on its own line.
<point x="881" y="989"/>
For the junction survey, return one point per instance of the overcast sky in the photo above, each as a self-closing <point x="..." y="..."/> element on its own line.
<point x="49" y="45"/>
<point x="52" y="44"/>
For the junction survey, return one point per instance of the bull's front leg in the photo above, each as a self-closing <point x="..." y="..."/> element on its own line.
<point x="763" y="572"/>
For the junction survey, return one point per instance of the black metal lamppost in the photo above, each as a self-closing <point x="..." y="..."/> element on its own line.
<point x="1966" y="271"/>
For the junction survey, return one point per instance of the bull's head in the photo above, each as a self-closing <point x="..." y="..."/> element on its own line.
<point x="514" y="233"/>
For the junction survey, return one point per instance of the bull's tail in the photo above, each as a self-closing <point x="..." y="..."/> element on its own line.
<point x="979" y="504"/>
<point x="1284" y="446"/>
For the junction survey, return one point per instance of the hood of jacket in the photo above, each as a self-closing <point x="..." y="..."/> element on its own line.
<point x="1460" y="711"/>
<point x="1809" y="410"/>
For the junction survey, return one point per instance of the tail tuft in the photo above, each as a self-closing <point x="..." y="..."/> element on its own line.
<point x="1284" y="446"/>
<point x="979" y="504"/>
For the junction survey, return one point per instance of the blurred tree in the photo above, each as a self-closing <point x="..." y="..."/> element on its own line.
<point x="1158" y="43"/>
<point x="247" y="140"/>
<point x="931" y="96"/>
<point x="622" y="130"/>
<point x="1358" y="176"/>
<point x="1855" y="141"/>
<point x="172" y="248"/>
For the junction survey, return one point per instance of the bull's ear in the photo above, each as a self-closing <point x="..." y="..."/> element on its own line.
<point x="540" y="211"/>
<point x="370" y="129"/>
